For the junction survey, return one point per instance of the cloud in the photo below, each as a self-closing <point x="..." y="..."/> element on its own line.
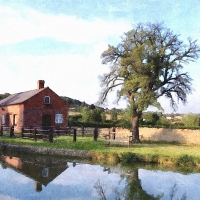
<point x="15" y="27"/>
<point x="72" y="75"/>
<point x="27" y="24"/>
<point x="70" y="70"/>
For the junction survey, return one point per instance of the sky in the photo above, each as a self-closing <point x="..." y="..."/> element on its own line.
<point x="61" y="42"/>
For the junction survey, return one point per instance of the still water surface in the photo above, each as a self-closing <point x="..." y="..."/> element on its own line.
<point x="38" y="177"/>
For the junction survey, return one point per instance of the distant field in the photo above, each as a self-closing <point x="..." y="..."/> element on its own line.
<point x="71" y="113"/>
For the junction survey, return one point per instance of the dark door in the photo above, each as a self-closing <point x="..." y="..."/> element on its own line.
<point x="46" y="121"/>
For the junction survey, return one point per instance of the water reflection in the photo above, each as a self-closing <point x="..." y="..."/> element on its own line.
<point x="41" y="177"/>
<point x="170" y="185"/>
<point x="40" y="169"/>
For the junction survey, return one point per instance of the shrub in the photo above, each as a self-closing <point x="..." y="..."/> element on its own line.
<point x="191" y="120"/>
<point x="185" y="160"/>
<point x="129" y="158"/>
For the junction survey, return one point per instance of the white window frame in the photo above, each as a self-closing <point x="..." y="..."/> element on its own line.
<point x="3" y="119"/>
<point x="47" y="100"/>
<point x="58" y="118"/>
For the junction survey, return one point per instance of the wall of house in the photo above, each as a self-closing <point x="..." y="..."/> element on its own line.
<point x="35" y="108"/>
<point x="9" y="112"/>
<point x="183" y="136"/>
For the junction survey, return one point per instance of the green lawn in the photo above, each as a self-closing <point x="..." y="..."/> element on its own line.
<point x="157" y="152"/>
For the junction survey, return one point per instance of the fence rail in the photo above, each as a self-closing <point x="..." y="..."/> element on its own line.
<point x="40" y="133"/>
<point x="7" y="130"/>
<point x="49" y="133"/>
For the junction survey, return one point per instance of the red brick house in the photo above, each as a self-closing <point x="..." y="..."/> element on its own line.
<point x="38" y="108"/>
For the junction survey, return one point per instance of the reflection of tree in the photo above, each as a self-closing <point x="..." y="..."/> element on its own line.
<point x="134" y="189"/>
<point x="173" y="192"/>
<point x="107" y="169"/>
<point x="100" y="190"/>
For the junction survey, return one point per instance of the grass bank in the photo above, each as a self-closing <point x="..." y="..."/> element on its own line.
<point x="146" y="152"/>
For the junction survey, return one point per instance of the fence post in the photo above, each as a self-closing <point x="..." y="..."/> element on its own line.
<point x="22" y="132"/>
<point x="83" y="131"/>
<point x="74" y="136"/>
<point x="69" y="130"/>
<point x="113" y="133"/>
<point x="57" y="129"/>
<point x="109" y="134"/>
<point x="35" y="136"/>
<point x="11" y="131"/>
<point x="50" y="135"/>
<point x="1" y="130"/>
<point x="95" y="134"/>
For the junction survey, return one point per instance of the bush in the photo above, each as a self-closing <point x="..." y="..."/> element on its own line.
<point x="185" y="160"/>
<point x="129" y="158"/>
<point x="91" y="115"/>
<point x="191" y="120"/>
<point x="151" y="118"/>
<point x="73" y="120"/>
<point x="113" y="114"/>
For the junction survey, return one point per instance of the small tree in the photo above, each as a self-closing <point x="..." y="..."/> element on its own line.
<point x="151" y="118"/>
<point x="96" y="115"/>
<point x="146" y="65"/>
<point x="113" y="114"/>
<point x="85" y="114"/>
<point x="91" y="115"/>
<point x="163" y="121"/>
<point x="126" y="118"/>
<point x="103" y="116"/>
<point x="191" y="120"/>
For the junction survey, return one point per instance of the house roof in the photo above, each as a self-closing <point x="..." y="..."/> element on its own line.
<point x="19" y="98"/>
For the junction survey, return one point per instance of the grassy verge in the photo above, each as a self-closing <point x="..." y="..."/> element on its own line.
<point x="148" y="152"/>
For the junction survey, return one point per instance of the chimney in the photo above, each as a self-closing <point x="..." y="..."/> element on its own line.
<point x="40" y="84"/>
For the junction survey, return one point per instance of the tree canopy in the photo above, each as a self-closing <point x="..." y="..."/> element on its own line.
<point x="146" y="65"/>
<point x="2" y="96"/>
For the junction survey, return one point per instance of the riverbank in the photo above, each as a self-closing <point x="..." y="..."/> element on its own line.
<point x="28" y="149"/>
<point x="85" y="147"/>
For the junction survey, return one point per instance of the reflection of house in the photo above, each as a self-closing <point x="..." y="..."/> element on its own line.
<point x="40" y="107"/>
<point x="41" y="169"/>
<point x="13" y="161"/>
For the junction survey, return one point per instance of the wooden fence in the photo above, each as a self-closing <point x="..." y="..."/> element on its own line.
<point x="5" y="130"/>
<point x="48" y="133"/>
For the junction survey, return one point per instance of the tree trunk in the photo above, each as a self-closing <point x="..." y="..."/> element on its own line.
<point x="135" y="128"/>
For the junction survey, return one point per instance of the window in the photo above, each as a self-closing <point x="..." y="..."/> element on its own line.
<point x="58" y="118"/>
<point x="45" y="172"/>
<point x="3" y="119"/>
<point x="14" y="119"/>
<point x="47" y="100"/>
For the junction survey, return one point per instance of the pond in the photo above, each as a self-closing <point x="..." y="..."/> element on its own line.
<point x="42" y="177"/>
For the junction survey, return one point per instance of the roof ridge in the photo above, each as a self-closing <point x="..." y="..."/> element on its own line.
<point x="28" y="91"/>
<point x="20" y="97"/>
